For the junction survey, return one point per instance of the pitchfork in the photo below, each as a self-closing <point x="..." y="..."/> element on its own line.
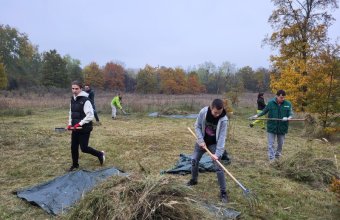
<point x="250" y="196"/>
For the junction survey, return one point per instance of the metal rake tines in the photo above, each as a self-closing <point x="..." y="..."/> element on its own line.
<point x="251" y="198"/>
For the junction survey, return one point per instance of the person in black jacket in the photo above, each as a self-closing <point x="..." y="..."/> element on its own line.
<point x="80" y="122"/>
<point x="91" y="97"/>
<point x="260" y="106"/>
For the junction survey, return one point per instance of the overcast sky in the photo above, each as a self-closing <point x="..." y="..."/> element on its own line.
<point x="168" y="33"/>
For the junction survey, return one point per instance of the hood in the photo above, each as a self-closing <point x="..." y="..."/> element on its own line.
<point x="82" y="93"/>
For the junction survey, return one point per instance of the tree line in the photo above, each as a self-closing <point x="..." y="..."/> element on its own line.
<point x="23" y="66"/>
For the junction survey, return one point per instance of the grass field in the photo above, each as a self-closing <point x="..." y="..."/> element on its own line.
<point x="32" y="152"/>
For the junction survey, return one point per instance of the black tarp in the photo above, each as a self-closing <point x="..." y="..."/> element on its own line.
<point x="56" y="195"/>
<point x="183" y="165"/>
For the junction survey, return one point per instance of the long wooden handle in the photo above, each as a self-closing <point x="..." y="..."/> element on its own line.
<point x="280" y="119"/>
<point x="219" y="163"/>
<point x="72" y="128"/>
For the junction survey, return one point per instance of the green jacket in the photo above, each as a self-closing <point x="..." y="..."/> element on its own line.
<point x="115" y="102"/>
<point x="277" y="111"/>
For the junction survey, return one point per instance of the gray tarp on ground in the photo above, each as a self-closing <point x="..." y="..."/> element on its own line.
<point x="183" y="165"/>
<point x="156" y="114"/>
<point x="222" y="212"/>
<point x="56" y="195"/>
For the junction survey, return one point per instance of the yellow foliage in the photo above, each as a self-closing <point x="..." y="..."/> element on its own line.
<point x="335" y="186"/>
<point x="228" y="108"/>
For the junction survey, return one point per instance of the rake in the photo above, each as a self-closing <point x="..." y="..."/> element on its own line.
<point x="250" y="196"/>
<point x="61" y="129"/>
<point x="279" y="119"/>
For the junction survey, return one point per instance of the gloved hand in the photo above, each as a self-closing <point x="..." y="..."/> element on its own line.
<point x="69" y="127"/>
<point x="253" y="117"/>
<point x="284" y="119"/>
<point x="123" y="111"/>
<point x="76" y="126"/>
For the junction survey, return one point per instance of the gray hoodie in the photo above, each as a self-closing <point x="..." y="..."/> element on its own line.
<point x="221" y="130"/>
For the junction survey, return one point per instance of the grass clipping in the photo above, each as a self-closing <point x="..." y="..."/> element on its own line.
<point x="151" y="197"/>
<point x="305" y="167"/>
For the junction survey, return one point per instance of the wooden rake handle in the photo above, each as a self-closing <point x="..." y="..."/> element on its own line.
<point x="279" y="119"/>
<point x="219" y="163"/>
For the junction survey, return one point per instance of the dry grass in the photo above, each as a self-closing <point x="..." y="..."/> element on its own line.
<point x="136" y="197"/>
<point x="32" y="153"/>
<point x="133" y="102"/>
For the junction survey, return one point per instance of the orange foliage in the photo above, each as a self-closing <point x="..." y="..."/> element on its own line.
<point x="93" y="75"/>
<point x="114" y="76"/>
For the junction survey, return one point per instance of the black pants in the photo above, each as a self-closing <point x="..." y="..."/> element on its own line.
<point x="95" y="113"/>
<point x="81" y="139"/>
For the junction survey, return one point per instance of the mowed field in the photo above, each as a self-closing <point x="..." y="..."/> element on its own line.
<point x="33" y="153"/>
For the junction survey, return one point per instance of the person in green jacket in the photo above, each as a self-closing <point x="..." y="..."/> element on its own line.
<point x="116" y="103"/>
<point x="279" y="113"/>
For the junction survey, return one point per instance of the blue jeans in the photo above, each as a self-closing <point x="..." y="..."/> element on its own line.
<point x="195" y="159"/>
<point x="272" y="152"/>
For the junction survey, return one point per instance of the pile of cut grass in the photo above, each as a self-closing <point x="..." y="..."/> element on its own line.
<point x="138" y="197"/>
<point x="304" y="166"/>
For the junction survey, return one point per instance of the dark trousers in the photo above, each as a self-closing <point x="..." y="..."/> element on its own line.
<point x="81" y="139"/>
<point x="196" y="157"/>
<point x="95" y="113"/>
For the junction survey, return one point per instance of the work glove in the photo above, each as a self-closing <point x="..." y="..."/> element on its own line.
<point x="284" y="119"/>
<point x="69" y="127"/>
<point x="76" y="126"/>
<point x="253" y="117"/>
<point x="123" y="112"/>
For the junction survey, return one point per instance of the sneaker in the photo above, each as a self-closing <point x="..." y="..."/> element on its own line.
<point x="251" y="125"/>
<point x="73" y="167"/>
<point x="191" y="182"/>
<point x="102" y="158"/>
<point x="224" y="197"/>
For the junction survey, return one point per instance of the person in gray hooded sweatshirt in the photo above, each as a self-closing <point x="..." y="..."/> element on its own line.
<point x="211" y="129"/>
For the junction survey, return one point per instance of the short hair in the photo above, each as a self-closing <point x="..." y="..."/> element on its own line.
<point x="78" y="83"/>
<point x="281" y="92"/>
<point x="217" y="103"/>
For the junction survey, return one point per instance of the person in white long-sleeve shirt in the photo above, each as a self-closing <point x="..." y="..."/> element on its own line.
<point x="80" y="122"/>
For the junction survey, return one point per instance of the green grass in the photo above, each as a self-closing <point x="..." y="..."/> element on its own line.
<point x="32" y="153"/>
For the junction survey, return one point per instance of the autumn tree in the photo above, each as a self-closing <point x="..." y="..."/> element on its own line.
<point x="54" y="70"/>
<point x="325" y="86"/>
<point x="147" y="80"/>
<point x="173" y="81"/>
<point x="114" y="76"/>
<point x="193" y="84"/>
<point x="300" y="33"/>
<point x="94" y="75"/>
